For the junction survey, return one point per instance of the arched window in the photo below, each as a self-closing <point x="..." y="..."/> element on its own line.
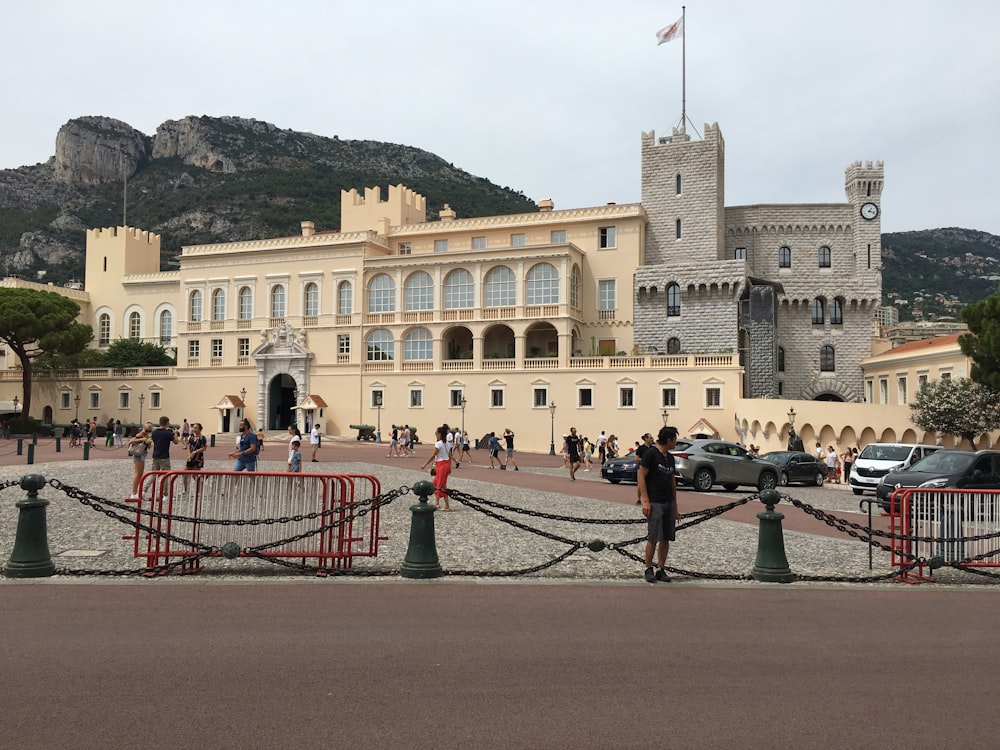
<point x="166" y="327"/>
<point x="837" y="311"/>
<point x="278" y="301"/>
<point x="104" y="330"/>
<point x="827" y="359"/>
<point x="781" y="359"/>
<point x="311" y="300"/>
<point x="246" y="303"/>
<point x="418" y="345"/>
<point x="542" y="285"/>
<point x="499" y="287"/>
<point x="574" y="287"/>
<point x="817" y="312"/>
<point x="135" y="326"/>
<point x="784" y="257"/>
<point x="673" y="346"/>
<point x="382" y="294"/>
<point x="380" y="346"/>
<point x="678" y="183"/>
<point x="195" y="307"/>
<point x="458" y="290"/>
<point x="678" y="229"/>
<point x="345" y="298"/>
<point x="824" y="257"/>
<point x="219" y="304"/>
<point x="419" y="289"/>
<point x="673" y="300"/>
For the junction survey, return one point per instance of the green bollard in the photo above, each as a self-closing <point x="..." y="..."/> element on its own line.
<point x="20" y="446"/>
<point x="421" y="556"/>
<point x="211" y="440"/>
<point x="31" y="454"/>
<point x="58" y="445"/>
<point x="771" y="564"/>
<point x="86" y="450"/>
<point x="30" y="557"/>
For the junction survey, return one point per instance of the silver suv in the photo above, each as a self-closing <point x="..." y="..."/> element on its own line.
<point x="705" y="463"/>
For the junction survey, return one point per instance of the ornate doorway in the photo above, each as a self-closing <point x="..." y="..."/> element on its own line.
<point x="281" y="401"/>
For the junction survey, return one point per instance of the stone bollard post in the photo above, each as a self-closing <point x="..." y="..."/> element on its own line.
<point x="771" y="564"/>
<point x="421" y="555"/>
<point x="58" y="445"/>
<point x="86" y="450"/>
<point x="31" y="454"/>
<point x="30" y="557"/>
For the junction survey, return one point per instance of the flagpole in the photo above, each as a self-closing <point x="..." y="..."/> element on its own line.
<point x="684" y="41"/>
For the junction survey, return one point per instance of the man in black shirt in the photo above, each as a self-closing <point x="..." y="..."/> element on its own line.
<point x="647" y="443"/>
<point x="573" y="448"/>
<point x="658" y="497"/>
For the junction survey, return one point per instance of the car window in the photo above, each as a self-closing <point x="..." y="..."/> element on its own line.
<point x="944" y="463"/>
<point x="877" y="452"/>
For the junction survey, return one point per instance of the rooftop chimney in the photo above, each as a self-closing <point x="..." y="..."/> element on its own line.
<point x="308" y="228"/>
<point x="545" y="205"/>
<point x="446" y="214"/>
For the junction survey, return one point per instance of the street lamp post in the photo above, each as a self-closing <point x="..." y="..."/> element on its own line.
<point x="552" y="433"/>
<point x="142" y="400"/>
<point x="77" y="400"/>
<point x="378" y="410"/>
<point x="666" y="415"/>
<point x="15" y="407"/>
<point x="243" y="402"/>
<point x="462" y="404"/>
<point x="791" y="417"/>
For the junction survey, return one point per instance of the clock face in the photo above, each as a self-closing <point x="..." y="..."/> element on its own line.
<point x="869" y="211"/>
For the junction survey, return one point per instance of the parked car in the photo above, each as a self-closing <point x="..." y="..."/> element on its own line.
<point x="797" y="467"/>
<point x="626" y="468"/>
<point x="966" y="470"/>
<point x="878" y="459"/>
<point x="705" y="463"/>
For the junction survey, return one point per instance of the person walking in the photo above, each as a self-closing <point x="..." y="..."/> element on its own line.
<point x="442" y="457"/>
<point x="602" y="447"/>
<point x="657" y="479"/>
<point x="314" y="441"/>
<point x="508" y="437"/>
<point x="196" y="447"/>
<point x="138" y="449"/>
<point x="647" y="444"/>
<point x="494" y="450"/>
<point x="294" y="457"/>
<point x="573" y="445"/>
<point x="393" y="443"/>
<point x="162" y="437"/>
<point x="119" y="432"/>
<point x="246" y="449"/>
<point x="465" y="455"/>
<point x="185" y="432"/>
<point x="109" y="434"/>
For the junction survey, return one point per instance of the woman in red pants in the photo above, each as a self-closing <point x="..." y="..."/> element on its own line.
<point x="442" y="456"/>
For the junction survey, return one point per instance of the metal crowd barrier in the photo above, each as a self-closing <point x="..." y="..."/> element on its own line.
<point x="957" y="526"/>
<point x="289" y="504"/>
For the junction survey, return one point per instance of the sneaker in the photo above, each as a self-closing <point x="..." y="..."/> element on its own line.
<point x="661" y="575"/>
<point x="650" y="576"/>
<point x="503" y="467"/>
<point x="133" y="497"/>
<point x="516" y="469"/>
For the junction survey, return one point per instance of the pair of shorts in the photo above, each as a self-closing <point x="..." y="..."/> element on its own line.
<point x="161" y="464"/>
<point x="661" y="524"/>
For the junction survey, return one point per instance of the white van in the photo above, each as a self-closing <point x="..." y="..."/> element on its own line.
<point x="878" y="459"/>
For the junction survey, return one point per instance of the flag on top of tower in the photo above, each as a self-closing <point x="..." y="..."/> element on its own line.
<point x="671" y="32"/>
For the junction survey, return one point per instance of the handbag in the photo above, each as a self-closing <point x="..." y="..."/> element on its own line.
<point x="137" y="449"/>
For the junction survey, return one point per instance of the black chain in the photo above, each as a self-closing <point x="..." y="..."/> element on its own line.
<point x="10" y="483"/>
<point x="508" y="573"/>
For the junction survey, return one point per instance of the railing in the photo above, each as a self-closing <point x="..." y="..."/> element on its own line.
<point x="194" y="325"/>
<point x="421" y="316"/>
<point x="275" y="322"/>
<point x="499" y="313"/>
<point x="385" y="366"/>
<point x="343" y="359"/>
<point x="244" y="324"/>
<point x="215" y="362"/>
<point x="380" y="319"/>
<point x="242" y="361"/>
<point x="310" y="320"/>
<point x="192" y="362"/>
<point x="457" y="365"/>
<point x="418" y="366"/>
<point x="343" y="320"/>
<point x="490" y="365"/>
<point x="606" y="315"/>
<point x="542" y="363"/>
<point x="217" y="325"/>
<point x="464" y="314"/>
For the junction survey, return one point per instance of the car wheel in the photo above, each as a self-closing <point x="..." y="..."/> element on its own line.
<point x="767" y="481"/>
<point x="730" y="487"/>
<point x="819" y="479"/>
<point x="703" y="480"/>
<point x="857" y="491"/>
<point x="783" y="480"/>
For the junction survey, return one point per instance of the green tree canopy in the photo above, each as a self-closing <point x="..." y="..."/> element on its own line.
<point x="959" y="407"/>
<point x="983" y="343"/>
<point x="33" y="323"/>
<point x="131" y="353"/>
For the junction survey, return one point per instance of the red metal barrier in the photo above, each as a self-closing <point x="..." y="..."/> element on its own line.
<point x="194" y="500"/>
<point x="962" y="526"/>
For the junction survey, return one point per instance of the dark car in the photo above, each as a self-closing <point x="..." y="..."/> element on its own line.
<point x="966" y="470"/>
<point x="626" y="468"/>
<point x="705" y="463"/>
<point x="797" y="467"/>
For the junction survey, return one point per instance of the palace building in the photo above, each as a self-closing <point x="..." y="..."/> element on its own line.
<point x="605" y="318"/>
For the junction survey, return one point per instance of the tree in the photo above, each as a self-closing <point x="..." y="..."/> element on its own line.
<point x="982" y="344"/>
<point x="130" y="353"/>
<point x="33" y="323"/>
<point x="957" y="407"/>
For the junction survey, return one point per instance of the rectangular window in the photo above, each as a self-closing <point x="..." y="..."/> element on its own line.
<point x="869" y="392"/>
<point x="540" y="397"/>
<point x="668" y="397"/>
<point x="478" y="243"/>
<point x="781" y="388"/>
<point x="626" y="398"/>
<point x="518" y="240"/>
<point x="155" y="399"/>
<point x="377" y="398"/>
<point x="606" y="238"/>
<point x="217" y="348"/>
<point x="713" y="398"/>
<point x="901" y="390"/>
<point x="945" y="376"/>
<point x="921" y="380"/>
<point x="123" y="399"/>
<point x="440" y="246"/>
<point x="883" y="391"/>
<point x="194" y="348"/>
<point x="343" y="343"/>
<point x="405" y="248"/>
<point x="496" y="398"/>
<point x="585" y="397"/>
<point x="95" y="399"/>
<point x="243" y="347"/>
<point x="678" y="229"/>
<point x="606" y="302"/>
<point x="416" y="398"/>
<point x="740" y="253"/>
<point x="64" y="400"/>
<point x="558" y="237"/>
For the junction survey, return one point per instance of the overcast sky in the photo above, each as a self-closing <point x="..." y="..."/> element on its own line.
<point x="550" y="96"/>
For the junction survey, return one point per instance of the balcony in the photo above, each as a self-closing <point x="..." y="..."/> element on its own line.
<point x="217" y="325"/>
<point x="244" y="324"/>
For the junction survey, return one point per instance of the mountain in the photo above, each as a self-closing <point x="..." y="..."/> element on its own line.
<point x="208" y="179"/>
<point x="217" y="179"/>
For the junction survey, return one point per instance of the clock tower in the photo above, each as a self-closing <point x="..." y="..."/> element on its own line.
<point x="863" y="183"/>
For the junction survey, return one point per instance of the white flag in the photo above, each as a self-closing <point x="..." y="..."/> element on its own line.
<point x="671" y="32"/>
